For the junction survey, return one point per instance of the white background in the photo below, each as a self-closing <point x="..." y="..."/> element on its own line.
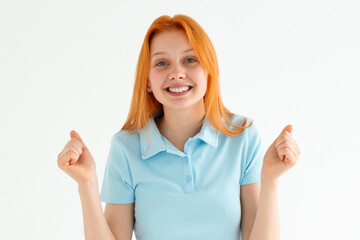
<point x="70" y="65"/>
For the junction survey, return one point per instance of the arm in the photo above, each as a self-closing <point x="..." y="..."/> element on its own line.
<point x="95" y="224"/>
<point x="120" y="218"/>
<point x="282" y="155"/>
<point x="249" y="197"/>
<point x="267" y="223"/>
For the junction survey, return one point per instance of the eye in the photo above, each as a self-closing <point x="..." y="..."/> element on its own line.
<point x="191" y="60"/>
<point x="160" y="63"/>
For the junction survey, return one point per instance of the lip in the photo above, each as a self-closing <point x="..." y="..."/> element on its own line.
<point x="178" y="86"/>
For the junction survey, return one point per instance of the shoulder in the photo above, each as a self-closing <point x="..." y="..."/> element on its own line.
<point x="239" y="141"/>
<point x="126" y="145"/>
<point x="125" y="138"/>
<point x="239" y="120"/>
<point x="249" y="136"/>
<point x="248" y="122"/>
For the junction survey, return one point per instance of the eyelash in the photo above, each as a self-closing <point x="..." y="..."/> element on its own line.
<point x="164" y="61"/>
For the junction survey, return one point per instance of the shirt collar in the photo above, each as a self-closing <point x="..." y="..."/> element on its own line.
<point x="152" y="142"/>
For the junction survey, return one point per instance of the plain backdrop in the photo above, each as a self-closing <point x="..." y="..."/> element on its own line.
<point x="70" y="65"/>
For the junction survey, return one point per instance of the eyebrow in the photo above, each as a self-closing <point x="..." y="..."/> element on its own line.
<point x="159" y="53"/>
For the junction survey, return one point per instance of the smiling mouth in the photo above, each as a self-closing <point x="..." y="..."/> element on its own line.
<point x="167" y="89"/>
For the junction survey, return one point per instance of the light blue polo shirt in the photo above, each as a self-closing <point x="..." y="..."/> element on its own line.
<point x="192" y="195"/>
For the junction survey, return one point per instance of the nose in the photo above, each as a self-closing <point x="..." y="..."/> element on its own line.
<point x="177" y="73"/>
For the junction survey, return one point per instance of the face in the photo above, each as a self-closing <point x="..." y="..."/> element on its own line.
<point x="174" y="67"/>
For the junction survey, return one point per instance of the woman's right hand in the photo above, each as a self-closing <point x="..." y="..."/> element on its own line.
<point x="76" y="160"/>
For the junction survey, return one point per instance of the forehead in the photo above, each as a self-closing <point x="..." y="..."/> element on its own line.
<point x="169" y="40"/>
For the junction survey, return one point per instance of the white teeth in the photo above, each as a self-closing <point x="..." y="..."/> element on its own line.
<point x="182" y="89"/>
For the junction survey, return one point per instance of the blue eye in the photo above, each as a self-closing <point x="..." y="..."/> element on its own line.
<point x="190" y="59"/>
<point x="157" y="64"/>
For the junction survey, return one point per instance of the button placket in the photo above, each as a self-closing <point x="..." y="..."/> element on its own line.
<point x="188" y="175"/>
<point x="189" y="145"/>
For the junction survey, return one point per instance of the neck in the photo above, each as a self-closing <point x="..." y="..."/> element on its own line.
<point x="178" y="126"/>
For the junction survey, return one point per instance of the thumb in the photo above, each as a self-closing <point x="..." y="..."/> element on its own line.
<point x="288" y="128"/>
<point x="74" y="134"/>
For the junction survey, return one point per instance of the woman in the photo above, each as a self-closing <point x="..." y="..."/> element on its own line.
<point x="194" y="169"/>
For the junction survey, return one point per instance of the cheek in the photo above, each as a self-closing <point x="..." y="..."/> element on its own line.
<point x="155" y="78"/>
<point x="200" y="76"/>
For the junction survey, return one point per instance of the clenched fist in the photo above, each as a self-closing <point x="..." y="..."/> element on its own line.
<point x="76" y="160"/>
<point x="282" y="155"/>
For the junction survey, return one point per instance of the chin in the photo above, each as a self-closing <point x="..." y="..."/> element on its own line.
<point x="181" y="105"/>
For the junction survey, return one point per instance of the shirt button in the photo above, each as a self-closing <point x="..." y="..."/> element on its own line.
<point x="186" y="160"/>
<point x="188" y="178"/>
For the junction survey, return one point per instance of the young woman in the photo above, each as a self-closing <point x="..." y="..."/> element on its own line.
<point x="182" y="166"/>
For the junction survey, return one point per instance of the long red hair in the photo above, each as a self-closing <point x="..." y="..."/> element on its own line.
<point x="144" y="105"/>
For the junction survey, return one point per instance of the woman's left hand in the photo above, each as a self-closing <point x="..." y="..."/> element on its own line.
<point x="282" y="155"/>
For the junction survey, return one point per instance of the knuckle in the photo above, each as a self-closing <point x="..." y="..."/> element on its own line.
<point x="71" y="153"/>
<point x="75" y="143"/>
<point x="287" y="149"/>
<point x="72" y="148"/>
<point x="59" y="165"/>
<point x="72" y="141"/>
<point x="75" y="150"/>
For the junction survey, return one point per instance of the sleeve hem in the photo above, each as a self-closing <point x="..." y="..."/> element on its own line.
<point x="117" y="200"/>
<point x="250" y="181"/>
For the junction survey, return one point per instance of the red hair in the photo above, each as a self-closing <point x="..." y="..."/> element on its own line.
<point x="144" y="105"/>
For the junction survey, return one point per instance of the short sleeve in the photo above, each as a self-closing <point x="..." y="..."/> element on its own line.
<point x="251" y="167"/>
<point x="117" y="183"/>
